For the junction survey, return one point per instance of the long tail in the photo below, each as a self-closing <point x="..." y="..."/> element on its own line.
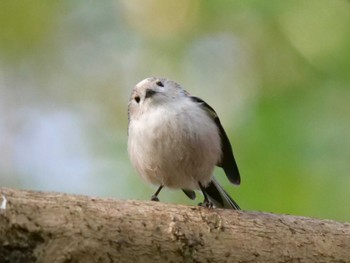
<point x="219" y="197"/>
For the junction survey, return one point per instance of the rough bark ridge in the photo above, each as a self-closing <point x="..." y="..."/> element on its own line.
<point x="52" y="227"/>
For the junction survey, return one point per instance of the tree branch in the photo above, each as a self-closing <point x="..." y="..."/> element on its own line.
<point x="52" y="227"/>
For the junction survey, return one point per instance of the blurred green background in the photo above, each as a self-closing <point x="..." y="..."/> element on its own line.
<point x="277" y="73"/>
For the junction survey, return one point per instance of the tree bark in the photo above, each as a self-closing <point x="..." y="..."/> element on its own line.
<point x="53" y="227"/>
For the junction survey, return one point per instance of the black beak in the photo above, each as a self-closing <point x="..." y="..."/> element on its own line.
<point x="150" y="93"/>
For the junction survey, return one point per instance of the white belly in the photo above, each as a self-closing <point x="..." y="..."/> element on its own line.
<point x="175" y="149"/>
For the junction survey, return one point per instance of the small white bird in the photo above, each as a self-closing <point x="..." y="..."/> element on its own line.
<point x="176" y="140"/>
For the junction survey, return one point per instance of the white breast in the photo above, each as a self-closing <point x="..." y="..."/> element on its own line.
<point x="175" y="145"/>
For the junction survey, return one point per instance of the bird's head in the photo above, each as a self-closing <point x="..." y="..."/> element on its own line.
<point x="153" y="92"/>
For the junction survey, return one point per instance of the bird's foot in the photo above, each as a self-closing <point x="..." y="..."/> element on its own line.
<point x="155" y="198"/>
<point x="206" y="204"/>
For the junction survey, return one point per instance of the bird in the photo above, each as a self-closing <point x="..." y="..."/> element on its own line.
<point x="175" y="140"/>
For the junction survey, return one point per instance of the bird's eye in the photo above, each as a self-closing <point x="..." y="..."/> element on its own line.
<point x="137" y="99"/>
<point x="159" y="83"/>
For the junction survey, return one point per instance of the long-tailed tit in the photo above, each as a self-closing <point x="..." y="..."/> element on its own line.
<point x="175" y="140"/>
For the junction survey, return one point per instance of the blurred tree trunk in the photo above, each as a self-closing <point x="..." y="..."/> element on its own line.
<point x="52" y="227"/>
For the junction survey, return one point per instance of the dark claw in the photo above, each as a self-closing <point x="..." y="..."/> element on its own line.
<point x="154" y="198"/>
<point x="206" y="204"/>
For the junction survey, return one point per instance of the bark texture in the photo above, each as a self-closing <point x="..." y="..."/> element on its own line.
<point x="52" y="227"/>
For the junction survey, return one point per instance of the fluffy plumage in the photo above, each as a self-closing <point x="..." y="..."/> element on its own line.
<point x="176" y="140"/>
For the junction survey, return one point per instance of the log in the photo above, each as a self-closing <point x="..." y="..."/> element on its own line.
<point x="54" y="227"/>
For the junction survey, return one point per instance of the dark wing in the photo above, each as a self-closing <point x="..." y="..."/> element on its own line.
<point x="227" y="161"/>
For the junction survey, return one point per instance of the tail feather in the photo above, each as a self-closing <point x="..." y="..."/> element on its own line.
<point x="219" y="197"/>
